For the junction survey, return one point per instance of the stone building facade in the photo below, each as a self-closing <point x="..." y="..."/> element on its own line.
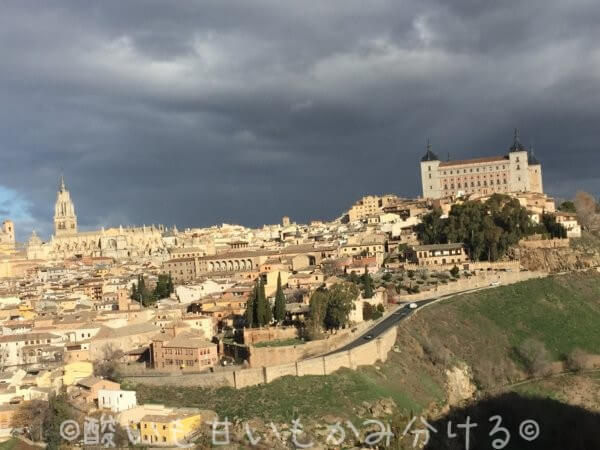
<point x="68" y="242"/>
<point x="183" y="352"/>
<point x="437" y="254"/>
<point x="369" y="205"/>
<point x="518" y="171"/>
<point x="7" y="237"/>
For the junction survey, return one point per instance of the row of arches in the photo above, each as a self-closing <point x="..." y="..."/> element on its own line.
<point x="231" y="265"/>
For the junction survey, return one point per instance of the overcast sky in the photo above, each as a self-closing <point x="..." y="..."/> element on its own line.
<point x="196" y="113"/>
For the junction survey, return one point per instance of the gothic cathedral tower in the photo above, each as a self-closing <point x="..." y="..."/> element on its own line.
<point x="65" y="220"/>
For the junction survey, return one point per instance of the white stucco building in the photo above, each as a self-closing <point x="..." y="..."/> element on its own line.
<point x="117" y="401"/>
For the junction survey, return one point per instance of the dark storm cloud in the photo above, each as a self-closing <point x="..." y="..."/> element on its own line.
<point x="200" y="112"/>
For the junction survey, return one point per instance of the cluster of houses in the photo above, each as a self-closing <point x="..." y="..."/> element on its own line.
<point x="59" y="316"/>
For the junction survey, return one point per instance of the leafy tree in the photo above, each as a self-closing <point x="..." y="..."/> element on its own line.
<point x="586" y="207"/>
<point x="106" y="365"/>
<point x="317" y="310"/>
<point x="58" y="412"/>
<point x="431" y="228"/>
<point x="371" y="312"/>
<point x="567" y="206"/>
<point x="552" y="227"/>
<point x="341" y="298"/>
<point x="32" y="415"/>
<point x="535" y="356"/>
<point x="353" y="278"/>
<point x="368" y="311"/>
<point x="280" y="301"/>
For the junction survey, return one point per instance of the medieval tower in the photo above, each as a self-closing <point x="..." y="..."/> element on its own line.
<point x="65" y="220"/>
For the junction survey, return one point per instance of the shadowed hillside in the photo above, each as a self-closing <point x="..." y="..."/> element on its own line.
<point x="561" y="426"/>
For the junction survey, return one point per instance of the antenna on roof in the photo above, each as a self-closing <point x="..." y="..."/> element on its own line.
<point x="448" y="156"/>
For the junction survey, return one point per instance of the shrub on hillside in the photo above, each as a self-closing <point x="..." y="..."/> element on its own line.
<point x="490" y="373"/>
<point x="578" y="360"/>
<point x="535" y="356"/>
<point x="437" y="352"/>
<point x="455" y="271"/>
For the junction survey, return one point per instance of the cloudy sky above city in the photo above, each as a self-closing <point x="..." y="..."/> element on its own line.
<point x="196" y="113"/>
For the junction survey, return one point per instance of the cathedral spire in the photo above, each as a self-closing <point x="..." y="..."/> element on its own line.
<point x="65" y="220"/>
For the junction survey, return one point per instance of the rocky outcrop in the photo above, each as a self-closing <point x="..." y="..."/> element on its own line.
<point x="459" y="384"/>
<point x="555" y="259"/>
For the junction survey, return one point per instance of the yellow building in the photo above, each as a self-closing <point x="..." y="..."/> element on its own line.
<point x="370" y="204"/>
<point x="75" y="371"/>
<point x="26" y="311"/>
<point x="169" y="430"/>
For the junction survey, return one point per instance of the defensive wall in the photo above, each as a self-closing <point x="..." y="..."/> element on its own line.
<point x="256" y="335"/>
<point x="272" y="356"/>
<point x="365" y="354"/>
<point x="544" y="243"/>
<point x="467" y="265"/>
<point x="480" y="280"/>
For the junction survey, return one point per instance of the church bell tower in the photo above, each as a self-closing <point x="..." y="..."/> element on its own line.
<point x="65" y="220"/>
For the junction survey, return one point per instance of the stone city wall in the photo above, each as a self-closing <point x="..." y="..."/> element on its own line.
<point x="256" y="335"/>
<point x="272" y="356"/>
<point x="366" y="354"/>
<point x="544" y="243"/>
<point x="481" y="280"/>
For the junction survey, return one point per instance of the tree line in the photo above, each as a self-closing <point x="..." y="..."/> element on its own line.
<point x="488" y="229"/>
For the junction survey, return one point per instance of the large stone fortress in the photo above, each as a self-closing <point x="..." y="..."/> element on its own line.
<point x="68" y="242"/>
<point x="518" y="171"/>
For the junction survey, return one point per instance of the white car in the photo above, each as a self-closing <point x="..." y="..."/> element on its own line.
<point x="413" y="306"/>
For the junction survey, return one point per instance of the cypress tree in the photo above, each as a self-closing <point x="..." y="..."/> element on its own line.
<point x="170" y="286"/>
<point x="367" y="283"/>
<point x="261" y="305"/>
<point x="267" y="313"/>
<point x="279" y="309"/>
<point x="250" y="313"/>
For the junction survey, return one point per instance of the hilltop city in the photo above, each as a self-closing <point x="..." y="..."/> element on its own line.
<point x="88" y="317"/>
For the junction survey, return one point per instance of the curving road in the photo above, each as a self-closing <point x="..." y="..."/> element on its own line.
<point x="399" y="314"/>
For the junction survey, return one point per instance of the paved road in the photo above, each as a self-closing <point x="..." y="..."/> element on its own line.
<point x="399" y="314"/>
